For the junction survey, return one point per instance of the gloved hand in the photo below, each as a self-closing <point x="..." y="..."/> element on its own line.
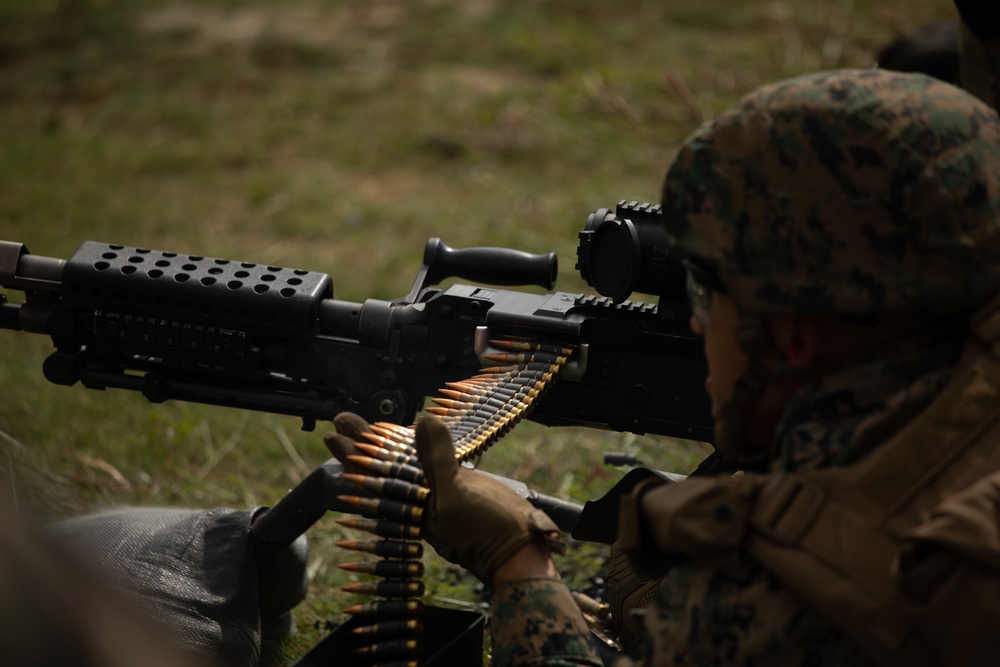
<point x="341" y="444"/>
<point x="483" y="520"/>
<point x="629" y="590"/>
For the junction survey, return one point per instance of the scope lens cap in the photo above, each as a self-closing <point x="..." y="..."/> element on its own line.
<point x="615" y="258"/>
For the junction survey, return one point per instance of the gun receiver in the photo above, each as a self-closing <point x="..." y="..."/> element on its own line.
<point x="175" y="326"/>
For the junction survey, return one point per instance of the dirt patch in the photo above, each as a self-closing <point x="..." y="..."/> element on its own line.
<point x="471" y="8"/>
<point x="317" y="25"/>
<point x="360" y="29"/>
<point x="470" y="80"/>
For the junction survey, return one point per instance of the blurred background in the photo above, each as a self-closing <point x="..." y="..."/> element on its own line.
<point x="337" y="137"/>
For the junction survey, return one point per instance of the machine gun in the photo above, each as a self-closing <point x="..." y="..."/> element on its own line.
<point x="177" y="326"/>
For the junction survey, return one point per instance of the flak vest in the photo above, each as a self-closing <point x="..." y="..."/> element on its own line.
<point x="900" y="551"/>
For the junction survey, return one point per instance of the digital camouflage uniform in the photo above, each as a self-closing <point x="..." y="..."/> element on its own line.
<point x="854" y="193"/>
<point x="741" y="614"/>
<point x="536" y="622"/>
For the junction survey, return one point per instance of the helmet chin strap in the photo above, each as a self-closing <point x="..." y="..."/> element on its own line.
<point x="730" y="428"/>
<point x="734" y="413"/>
<point x="755" y="341"/>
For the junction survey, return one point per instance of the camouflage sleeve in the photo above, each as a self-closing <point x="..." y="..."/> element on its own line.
<point x="703" y="616"/>
<point x="536" y="622"/>
<point x="737" y="614"/>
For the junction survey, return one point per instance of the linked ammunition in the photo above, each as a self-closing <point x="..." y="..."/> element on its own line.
<point x="403" y="432"/>
<point x="394" y="437"/>
<point x="508" y="357"/>
<point x="390" y="588"/>
<point x="473" y="394"/>
<point x="390" y="487"/>
<point x="589" y="605"/>
<point x="385" y="548"/>
<point x="382" y="508"/>
<point x="381" y="441"/>
<point x="479" y="423"/>
<point x="383" y="454"/>
<point x="390" y="629"/>
<point x="387" y="608"/>
<point x="478" y="411"/>
<point x="391" y="569"/>
<point x="494" y="372"/>
<point x="521" y="377"/>
<point x="401" y="471"/>
<point x="390" y="649"/>
<point x="509" y="344"/>
<point x="450" y="403"/>
<point x="383" y="528"/>
<point x="463" y="415"/>
<point x="481" y="401"/>
<point x="465" y="385"/>
<point x="541" y="367"/>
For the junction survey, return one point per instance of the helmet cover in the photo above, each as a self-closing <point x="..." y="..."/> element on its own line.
<point x="850" y="192"/>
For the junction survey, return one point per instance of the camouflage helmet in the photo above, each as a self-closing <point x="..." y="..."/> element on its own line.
<point x="851" y="192"/>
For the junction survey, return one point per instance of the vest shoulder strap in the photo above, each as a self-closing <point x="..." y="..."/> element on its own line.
<point x="834" y="535"/>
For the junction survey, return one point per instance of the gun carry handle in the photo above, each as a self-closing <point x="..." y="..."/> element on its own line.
<point x="493" y="266"/>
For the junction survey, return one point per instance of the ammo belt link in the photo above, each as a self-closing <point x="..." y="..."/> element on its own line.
<point x="478" y="412"/>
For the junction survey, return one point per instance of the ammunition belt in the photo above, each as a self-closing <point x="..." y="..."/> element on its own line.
<point x="478" y="412"/>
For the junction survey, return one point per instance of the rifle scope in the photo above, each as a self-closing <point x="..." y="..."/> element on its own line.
<point x="627" y="250"/>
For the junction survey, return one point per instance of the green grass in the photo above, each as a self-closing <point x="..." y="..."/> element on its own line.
<point x="338" y="137"/>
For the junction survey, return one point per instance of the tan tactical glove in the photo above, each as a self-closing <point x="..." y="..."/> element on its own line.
<point x="483" y="520"/>
<point x="629" y="591"/>
<point x="341" y="444"/>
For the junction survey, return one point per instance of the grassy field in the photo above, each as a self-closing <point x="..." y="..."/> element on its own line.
<point x="338" y="137"/>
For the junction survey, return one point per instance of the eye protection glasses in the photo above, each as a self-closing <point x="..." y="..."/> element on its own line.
<point x="701" y="283"/>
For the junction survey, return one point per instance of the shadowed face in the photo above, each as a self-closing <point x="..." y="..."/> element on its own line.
<point x="796" y="342"/>
<point x="714" y="319"/>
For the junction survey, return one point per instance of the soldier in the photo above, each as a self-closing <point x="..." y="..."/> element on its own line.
<point x="964" y="52"/>
<point x="841" y="233"/>
<point x="980" y="49"/>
